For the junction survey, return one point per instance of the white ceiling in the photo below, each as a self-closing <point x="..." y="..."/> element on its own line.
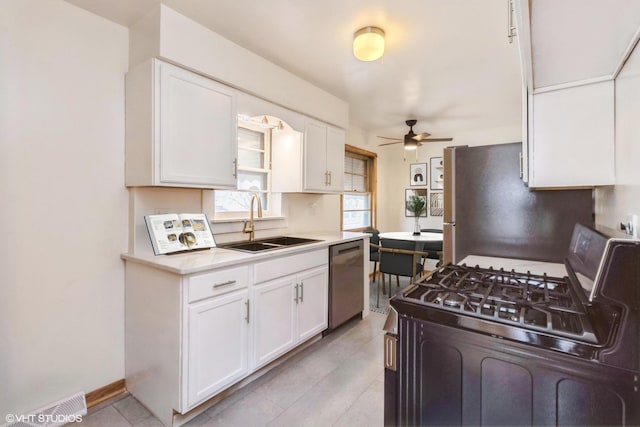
<point x="447" y="63"/>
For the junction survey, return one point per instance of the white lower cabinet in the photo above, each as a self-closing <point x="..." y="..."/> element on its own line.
<point x="217" y="344"/>
<point x="189" y="337"/>
<point x="312" y="310"/>
<point x="275" y="311"/>
<point x="288" y="311"/>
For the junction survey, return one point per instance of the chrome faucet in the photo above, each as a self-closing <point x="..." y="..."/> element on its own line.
<point x="249" y="226"/>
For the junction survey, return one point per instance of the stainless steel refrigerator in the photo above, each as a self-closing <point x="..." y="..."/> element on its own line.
<point x="489" y="211"/>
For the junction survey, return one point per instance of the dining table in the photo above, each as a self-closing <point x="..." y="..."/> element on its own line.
<point x="409" y="236"/>
<point x="419" y="239"/>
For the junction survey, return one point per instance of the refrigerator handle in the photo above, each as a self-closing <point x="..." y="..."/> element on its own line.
<point x="449" y="169"/>
<point x="448" y="243"/>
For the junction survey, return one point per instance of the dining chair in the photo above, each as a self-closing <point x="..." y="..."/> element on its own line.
<point x="398" y="258"/>
<point x="374" y="255"/>
<point x="434" y="249"/>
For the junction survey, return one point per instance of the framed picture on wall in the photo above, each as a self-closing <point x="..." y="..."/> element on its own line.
<point x="418" y="174"/>
<point x="436" y="206"/>
<point x="420" y="192"/>
<point x="437" y="173"/>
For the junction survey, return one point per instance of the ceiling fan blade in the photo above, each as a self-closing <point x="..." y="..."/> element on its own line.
<point x="438" y="139"/>
<point x="386" y="137"/>
<point x="390" y="143"/>
<point x="421" y="136"/>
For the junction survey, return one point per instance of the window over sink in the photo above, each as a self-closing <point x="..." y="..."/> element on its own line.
<point x="254" y="172"/>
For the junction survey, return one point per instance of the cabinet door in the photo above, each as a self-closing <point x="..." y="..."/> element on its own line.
<point x="274" y="314"/>
<point x="217" y="344"/>
<point x="198" y="142"/>
<point x="312" y="303"/>
<point x="315" y="156"/>
<point x="573" y="137"/>
<point x="335" y="158"/>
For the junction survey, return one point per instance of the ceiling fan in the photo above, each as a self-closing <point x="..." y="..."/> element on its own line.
<point x="412" y="140"/>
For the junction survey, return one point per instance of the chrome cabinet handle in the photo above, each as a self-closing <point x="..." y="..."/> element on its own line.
<point x="301" y="291"/>
<point x="296" y="298"/>
<point x="510" y="27"/>
<point x="247" y="304"/>
<point x="235" y="168"/>
<point x="520" y="158"/>
<point x="227" y="283"/>
<point x="329" y="177"/>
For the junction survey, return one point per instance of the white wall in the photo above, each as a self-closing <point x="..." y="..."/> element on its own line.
<point x="64" y="204"/>
<point x="167" y="34"/>
<point x="613" y="204"/>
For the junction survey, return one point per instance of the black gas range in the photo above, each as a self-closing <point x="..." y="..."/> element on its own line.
<point x="493" y="346"/>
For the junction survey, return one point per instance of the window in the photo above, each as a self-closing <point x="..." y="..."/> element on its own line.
<point x="358" y="199"/>
<point x="254" y="172"/>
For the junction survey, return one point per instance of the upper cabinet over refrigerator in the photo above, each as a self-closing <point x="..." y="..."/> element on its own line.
<point x="568" y="112"/>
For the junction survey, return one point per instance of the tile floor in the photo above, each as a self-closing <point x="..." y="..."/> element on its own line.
<point x="338" y="381"/>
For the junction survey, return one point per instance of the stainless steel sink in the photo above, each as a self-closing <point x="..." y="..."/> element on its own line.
<point x="249" y="246"/>
<point x="267" y="244"/>
<point x="286" y="241"/>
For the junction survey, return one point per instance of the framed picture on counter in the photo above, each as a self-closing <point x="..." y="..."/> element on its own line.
<point x="437" y="173"/>
<point x="418" y="174"/>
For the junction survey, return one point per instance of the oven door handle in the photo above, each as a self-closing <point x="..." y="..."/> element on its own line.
<point x="390" y="342"/>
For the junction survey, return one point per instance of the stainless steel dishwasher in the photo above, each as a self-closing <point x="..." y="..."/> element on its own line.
<point x="346" y="282"/>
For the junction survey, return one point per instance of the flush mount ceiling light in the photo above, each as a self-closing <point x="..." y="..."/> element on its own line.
<point x="368" y="43"/>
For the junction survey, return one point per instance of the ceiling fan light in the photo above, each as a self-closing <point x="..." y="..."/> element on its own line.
<point x="411" y="145"/>
<point x="368" y="43"/>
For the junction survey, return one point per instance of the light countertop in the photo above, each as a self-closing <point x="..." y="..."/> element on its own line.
<point x="197" y="261"/>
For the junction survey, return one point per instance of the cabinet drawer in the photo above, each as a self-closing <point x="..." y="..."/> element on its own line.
<point x="217" y="282"/>
<point x="279" y="267"/>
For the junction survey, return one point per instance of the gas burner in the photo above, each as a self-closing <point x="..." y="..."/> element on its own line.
<point x="535" y="302"/>
<point x="450" y="299"/>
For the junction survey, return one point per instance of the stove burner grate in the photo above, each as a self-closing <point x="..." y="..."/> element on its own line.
<point x="536" y="302"/>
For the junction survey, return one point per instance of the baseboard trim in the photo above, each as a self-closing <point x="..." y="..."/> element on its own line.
<point x="101" y="394"/>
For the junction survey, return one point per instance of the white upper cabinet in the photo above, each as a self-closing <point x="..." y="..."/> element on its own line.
<point x="573" y="137"/>
<point x="335" y="158"/>
<point x="314" y="163"/>
<point x="181" y="129"/>
<point x="316" y="174"/>
<point x="323" y="157"/>
<point x="568" y="125"/>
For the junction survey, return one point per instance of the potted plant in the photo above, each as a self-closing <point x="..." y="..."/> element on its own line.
<point x="417" y="205"/>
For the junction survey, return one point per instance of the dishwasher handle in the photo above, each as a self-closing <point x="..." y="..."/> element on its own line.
<point x="351" y="249"/>
<point x="346" y="249"/>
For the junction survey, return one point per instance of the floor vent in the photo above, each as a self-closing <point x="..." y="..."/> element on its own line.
<point x="68" y="410"/>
